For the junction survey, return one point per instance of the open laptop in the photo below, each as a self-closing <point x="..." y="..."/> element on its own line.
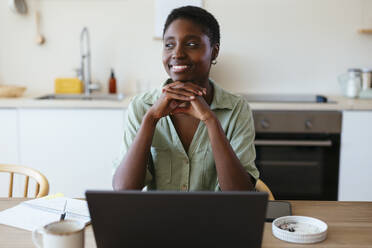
<point x="177" y="219"/>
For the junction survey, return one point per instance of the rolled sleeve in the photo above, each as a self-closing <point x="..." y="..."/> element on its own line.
<point x="242" y="140"/>
<point x="132" y="123"/>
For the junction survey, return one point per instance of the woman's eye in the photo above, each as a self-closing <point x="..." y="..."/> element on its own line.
<point x="169" y="45"/>
<point x="192" y="44"/>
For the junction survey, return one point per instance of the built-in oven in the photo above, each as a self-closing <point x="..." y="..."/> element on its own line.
<point x="297" y="153"/>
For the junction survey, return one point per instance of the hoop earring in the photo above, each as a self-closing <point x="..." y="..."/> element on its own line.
<point x="214" y="62"/>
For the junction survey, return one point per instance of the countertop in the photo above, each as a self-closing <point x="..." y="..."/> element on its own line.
<point x="349" y="225"/>
<point x="337" y="103"/>
<point x="29" y="101"/>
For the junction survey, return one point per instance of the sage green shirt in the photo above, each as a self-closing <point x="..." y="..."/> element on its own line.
<point x="170" y="166"/>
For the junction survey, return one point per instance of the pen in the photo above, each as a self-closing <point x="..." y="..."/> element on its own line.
<point x="63" y="215"/>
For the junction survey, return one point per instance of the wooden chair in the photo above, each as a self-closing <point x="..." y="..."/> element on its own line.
<point x="42" y="185"/>
<point x="262" y="187"/>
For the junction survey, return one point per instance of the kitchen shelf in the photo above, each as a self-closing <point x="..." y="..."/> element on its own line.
<point x="365" y="31"/>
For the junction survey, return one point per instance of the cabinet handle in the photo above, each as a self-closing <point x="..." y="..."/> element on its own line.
<point x="288" y="163"/>
<point x="325" y="143"/>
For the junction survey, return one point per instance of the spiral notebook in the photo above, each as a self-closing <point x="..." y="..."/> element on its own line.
<point x="32" y="214"/>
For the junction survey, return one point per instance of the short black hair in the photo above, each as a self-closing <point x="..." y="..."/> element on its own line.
<point x="199" y="16"/>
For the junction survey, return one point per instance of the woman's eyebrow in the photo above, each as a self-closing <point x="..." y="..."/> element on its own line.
<point x="187" y="37"/>
<point x="168" y="38"/>
<point x="192" y="37"/>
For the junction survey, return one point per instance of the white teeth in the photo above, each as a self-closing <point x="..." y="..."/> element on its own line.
<point x="179" y="68"/>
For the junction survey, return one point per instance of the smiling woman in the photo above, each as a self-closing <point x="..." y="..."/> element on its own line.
<point x="191" y="135"/>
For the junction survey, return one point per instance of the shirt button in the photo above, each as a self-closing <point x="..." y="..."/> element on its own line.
<point x="184" y="187"/>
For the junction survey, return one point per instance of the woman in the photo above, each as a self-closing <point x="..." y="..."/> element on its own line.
<point x="191" y="135"/>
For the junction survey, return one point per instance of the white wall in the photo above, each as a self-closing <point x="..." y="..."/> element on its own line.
<point x="277" y="46"/>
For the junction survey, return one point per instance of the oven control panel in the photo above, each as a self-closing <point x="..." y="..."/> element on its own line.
<point x="297" y="121"/>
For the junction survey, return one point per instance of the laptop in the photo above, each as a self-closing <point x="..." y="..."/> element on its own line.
<point x="177" y="219"/>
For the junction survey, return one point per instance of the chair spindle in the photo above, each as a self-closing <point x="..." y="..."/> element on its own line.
<point x="10" y="194"/>
<point x="37" y="189"/>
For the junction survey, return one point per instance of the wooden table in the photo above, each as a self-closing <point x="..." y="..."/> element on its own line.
<point x="349" y="225"/>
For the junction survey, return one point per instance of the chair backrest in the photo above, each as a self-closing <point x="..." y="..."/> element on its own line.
<point x="262" y="187"/>
<point x="42" y="185"/>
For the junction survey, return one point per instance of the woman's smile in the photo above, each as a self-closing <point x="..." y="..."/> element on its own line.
<point x="179" y="68"/>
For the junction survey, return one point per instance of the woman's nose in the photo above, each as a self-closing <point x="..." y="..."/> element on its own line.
<point x="178" y="52"/>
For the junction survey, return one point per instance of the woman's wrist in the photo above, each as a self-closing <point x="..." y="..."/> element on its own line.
<point x="150" y="118"/>
<point x="209" y="118"/>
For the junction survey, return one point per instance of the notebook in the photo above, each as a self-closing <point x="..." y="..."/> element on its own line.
<point x="177" y="219"/>
<point x="32" y="214"/>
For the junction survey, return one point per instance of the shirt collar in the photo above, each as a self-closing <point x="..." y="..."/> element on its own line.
<point x="221" y="100"/>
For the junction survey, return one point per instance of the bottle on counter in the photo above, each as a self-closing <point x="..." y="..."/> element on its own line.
<point x="112" y="83"/>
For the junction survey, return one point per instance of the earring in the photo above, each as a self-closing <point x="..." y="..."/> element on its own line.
<point x="214" y="62"/>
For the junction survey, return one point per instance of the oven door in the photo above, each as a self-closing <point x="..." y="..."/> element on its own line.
<point x="299" y="167"/>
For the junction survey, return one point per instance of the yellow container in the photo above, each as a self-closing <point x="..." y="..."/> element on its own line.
<point x="68" y="86"/>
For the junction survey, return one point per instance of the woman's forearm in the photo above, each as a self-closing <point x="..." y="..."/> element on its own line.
<point x="132" y="171"/>
<point x="230" y="172"/>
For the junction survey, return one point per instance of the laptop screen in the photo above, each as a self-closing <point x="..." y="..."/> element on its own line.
<point x="177" y="219"/>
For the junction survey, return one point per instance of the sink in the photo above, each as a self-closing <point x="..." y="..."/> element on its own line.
<point x="104" y="97"/>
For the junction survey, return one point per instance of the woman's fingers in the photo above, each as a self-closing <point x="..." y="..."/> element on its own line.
<point x="190" y="87"/>
<point x="196" y="89"/>
<point x="170" y="100"/>
<point x="180" y="92"/>
<point x="175" y="96"/>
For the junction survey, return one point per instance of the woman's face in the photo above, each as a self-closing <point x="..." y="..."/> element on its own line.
<point x="187" y="52"/>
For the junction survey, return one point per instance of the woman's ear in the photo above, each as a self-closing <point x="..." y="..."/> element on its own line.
<point x="215" y="51"/>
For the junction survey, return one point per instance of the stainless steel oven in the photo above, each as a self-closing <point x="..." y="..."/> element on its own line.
<point x="298" y="153"/>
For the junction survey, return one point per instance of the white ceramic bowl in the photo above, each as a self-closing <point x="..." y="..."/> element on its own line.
<point x="304" y="229"/>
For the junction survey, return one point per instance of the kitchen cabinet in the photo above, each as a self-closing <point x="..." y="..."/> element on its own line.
<point x="8" y="145"/>
<point x="74" y="148"/>
<point x="355" y="182"/>
<point x="9" y="137"/>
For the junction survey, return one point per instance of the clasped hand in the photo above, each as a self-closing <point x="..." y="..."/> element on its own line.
<point x="179" y="97"/>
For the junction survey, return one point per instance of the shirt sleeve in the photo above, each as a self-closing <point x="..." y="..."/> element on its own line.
<point x="242" y="139"/>
<point x="132" y="123"/>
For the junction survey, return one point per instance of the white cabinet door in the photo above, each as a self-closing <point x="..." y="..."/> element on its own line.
<point x="356" y="156"/>
<point x="8" y="145"/>
<point x="74" y="148"/>
<point x="8" y="136"/>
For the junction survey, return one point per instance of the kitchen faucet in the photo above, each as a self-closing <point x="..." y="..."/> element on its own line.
<point x="84" y="75"/>
<point x="85" y="60"/>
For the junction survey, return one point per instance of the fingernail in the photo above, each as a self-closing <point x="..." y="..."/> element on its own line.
<point x="192" y="97"/>
<point x="200" y="93"/>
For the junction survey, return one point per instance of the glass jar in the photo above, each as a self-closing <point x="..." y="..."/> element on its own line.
<point x="354" y="83"/>
<point x="351" y="82"/>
